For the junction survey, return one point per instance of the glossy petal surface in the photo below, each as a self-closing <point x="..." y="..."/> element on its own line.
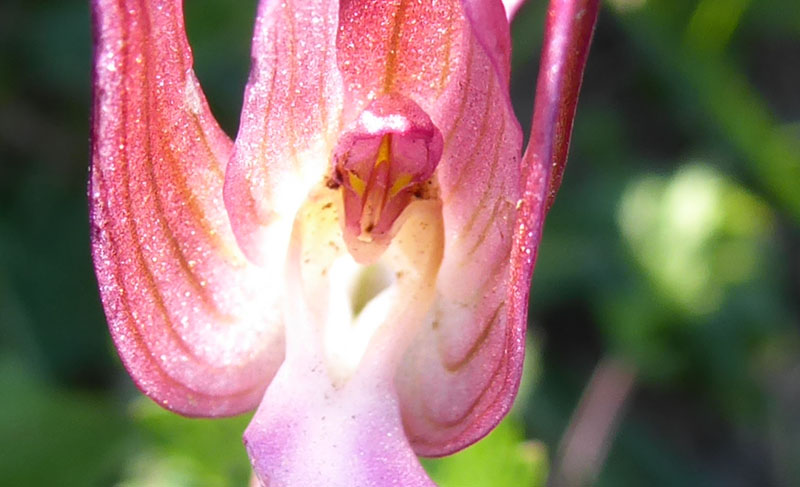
<point x="479" y="322"/>
<point x="448" y="380"/>
<point x="182" y="302"/>
<point x="290" y="120"/>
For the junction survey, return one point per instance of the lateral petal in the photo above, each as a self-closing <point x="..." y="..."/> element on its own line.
<point x="454" y="373"/>
<point x="289" y="123"/>
<point x="184" y="306"/>
<point x="568" y="35"/>
<point x="460" y="377"/>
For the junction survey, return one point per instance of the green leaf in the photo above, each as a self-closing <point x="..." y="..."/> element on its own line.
<point x="502" y="459"/>
<point x="180" y="451"/>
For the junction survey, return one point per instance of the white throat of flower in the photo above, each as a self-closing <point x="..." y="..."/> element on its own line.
<point x="329" y="319"/>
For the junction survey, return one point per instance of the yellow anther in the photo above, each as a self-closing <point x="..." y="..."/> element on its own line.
<point x="383" y="151"/>
<point x="399" y="184"/>
<point x="357" y="184"/>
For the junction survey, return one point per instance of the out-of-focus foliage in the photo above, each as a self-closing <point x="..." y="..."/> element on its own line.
<point x="185" y="452"/>
<point x="673" y="247"/>
<point x="502" y="459"/>
<point x="674" y="244"/>
<point x="78" y="438"/>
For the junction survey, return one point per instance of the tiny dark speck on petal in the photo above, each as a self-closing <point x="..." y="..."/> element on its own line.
<point x="332" y="183"/>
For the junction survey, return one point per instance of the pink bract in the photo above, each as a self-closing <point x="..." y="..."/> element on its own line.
<point x="378" y="153"/>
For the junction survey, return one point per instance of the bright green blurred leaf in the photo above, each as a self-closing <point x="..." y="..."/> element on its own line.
<point x="502" y="459"/>
<point x="184" y="452"/>
<point x="695" y="235"/>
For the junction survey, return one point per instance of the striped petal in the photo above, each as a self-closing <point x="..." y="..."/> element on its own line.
<point x="289" y="125"/>
<point x="460" y="377"/>
<point x="458" y="74"/>
<point x="184" y="306"/>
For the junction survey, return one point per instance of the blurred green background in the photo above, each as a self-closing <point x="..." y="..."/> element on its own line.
<point x="665" y="316"/>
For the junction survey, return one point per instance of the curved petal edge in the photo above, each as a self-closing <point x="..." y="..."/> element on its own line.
<point x="181" y="300"/>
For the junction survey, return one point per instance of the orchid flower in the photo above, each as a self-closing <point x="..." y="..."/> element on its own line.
<point x="356" y="263"/>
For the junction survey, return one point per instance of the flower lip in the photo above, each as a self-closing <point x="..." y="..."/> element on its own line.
<point x="382" y="163"/>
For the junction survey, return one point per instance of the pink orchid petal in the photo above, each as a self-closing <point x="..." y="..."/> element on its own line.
<point x="400" y="46"/>
<point x="183" y="305"/>
<point x="306" y="431"/>
<point x="448" y="381"/>
<point x="460" y="377"/>
<point x="456" y="69"/>
<point x="568" y="35"/>
<point x="489" y="23"/>
<point x="290" y="120"/>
